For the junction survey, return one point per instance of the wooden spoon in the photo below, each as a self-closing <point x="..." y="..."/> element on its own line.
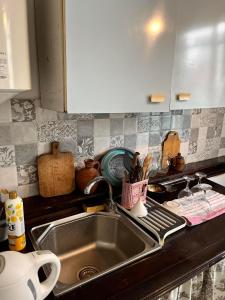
<point x="146" y="165"/>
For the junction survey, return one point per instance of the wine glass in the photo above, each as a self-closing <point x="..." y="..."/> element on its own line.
<point x="186" y="192"/>
<point x="204" y="188"/>
<point x="155" y="164"/>
<point x="199" y="186"/>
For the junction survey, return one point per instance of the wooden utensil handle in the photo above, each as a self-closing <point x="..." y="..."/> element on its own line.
<point x="55" y="148"/>
<point x="144" y="172"/>
<point x="135" y="159"/>
<point x="146" y="165"/>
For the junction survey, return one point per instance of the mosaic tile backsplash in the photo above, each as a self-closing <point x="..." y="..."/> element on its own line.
<point x="26" y="131"/>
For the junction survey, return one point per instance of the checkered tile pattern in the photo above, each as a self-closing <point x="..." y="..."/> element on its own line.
<point x="26" y="131"/>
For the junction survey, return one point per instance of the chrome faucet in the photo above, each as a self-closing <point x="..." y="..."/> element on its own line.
<point x="112" y="205"/>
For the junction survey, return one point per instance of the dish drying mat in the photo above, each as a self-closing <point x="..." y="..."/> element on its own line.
<point x="196" y="210"/>
<point x="160" y="221"/>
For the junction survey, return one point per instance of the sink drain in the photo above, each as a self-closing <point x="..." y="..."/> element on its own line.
<point x="87" y="272"/>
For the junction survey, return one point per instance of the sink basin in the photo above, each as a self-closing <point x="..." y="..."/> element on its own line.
<point x="90" y="245"/>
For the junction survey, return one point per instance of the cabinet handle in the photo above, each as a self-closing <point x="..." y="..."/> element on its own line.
<point x="183" y="96"/>
<point x="157" y="98"/>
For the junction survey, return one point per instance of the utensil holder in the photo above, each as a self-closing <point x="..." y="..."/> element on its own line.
<point x="132" y="192"/>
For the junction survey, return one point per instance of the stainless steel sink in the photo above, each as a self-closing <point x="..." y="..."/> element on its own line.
<point x="90" y="245"/>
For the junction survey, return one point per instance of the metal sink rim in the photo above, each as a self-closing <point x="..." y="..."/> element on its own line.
<point x="60" y="289"/>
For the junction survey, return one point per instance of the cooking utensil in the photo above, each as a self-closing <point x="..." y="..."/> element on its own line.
<point x="56" y="173"/>
<point x="127" y="160"/>
<point x="146" y="165"/>
<point x="138" y="173"/>
<point x="135" y="160"/>
<point x="156" y="188"/>
<point x="135" y="168"/>
<point x="157" y="192"/>
<point x="126" y="176"/>
<point x="170" y="148"/>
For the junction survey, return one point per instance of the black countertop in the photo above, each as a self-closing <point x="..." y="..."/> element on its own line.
<point x="185" y="253"/>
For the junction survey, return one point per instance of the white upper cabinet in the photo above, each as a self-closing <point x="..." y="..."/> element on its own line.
<point x="14" y="49"/>
<point x="106" y="55"/>
<point x="199" y="66"/>
<point x="118" y="54"/>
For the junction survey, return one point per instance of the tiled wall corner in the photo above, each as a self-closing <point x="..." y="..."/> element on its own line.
<point x="27" y="130"/>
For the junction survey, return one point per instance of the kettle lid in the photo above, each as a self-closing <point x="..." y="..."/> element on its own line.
<point x="13" y="267"/>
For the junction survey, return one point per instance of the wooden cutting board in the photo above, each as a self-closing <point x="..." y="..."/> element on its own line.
<point x="56" y="173"/>
<point x="170" y="147"/>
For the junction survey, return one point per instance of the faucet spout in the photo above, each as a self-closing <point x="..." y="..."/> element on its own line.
<point x="112" y="204"/>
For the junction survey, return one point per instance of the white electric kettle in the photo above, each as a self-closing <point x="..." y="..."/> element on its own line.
<point x="19" y="275"/>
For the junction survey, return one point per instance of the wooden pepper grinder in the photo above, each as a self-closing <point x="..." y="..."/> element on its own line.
<point x="89" y="172"/>
<point x="179" y="163"/>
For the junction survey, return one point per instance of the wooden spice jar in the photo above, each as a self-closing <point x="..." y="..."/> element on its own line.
<point x="179" y="163"/>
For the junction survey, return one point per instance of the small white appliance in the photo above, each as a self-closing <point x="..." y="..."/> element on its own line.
<point x="19" y="275"/>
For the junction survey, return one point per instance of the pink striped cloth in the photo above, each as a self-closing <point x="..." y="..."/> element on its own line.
<point x="195" y="209"/>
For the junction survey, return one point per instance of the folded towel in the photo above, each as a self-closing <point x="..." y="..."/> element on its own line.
<point x="196" y="209"/>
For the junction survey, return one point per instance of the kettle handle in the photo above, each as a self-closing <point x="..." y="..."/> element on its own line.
<point x="47" y="257"/>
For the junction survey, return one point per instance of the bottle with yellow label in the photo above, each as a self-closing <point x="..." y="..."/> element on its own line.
<point x="15" y="221"/>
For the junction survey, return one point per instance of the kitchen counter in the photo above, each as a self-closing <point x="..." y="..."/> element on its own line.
<point x="185" y="253"/>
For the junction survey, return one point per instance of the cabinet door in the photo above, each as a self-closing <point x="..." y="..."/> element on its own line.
<point x="199" y="66"/>
<point x="118" y="54"/>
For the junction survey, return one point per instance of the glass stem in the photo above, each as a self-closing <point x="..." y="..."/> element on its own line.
<point x="187" y="184"/>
